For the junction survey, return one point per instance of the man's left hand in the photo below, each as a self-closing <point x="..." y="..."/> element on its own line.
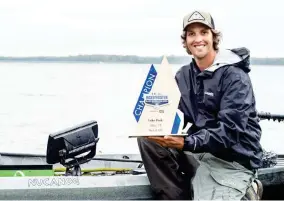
<point x="169" y="141"/>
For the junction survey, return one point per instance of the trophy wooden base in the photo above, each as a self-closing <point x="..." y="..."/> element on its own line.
<point x="158" y="135"/>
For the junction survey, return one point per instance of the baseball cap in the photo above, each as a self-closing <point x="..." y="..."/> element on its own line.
<point x="200" y="17"/>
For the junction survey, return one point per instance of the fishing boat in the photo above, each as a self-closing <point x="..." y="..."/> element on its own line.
<point x="71" y="170"/>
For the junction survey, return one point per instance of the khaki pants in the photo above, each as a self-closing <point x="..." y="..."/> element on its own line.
<point x="175" y="175"/>
<point x="219" y="179"/>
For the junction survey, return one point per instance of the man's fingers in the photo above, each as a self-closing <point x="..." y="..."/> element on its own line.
<point x="162" y="144"/>
<point x="155" y="138"/>
<point x="160" y="140"/>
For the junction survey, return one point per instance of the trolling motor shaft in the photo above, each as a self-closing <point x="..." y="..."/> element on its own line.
<point x="269" y="116"/>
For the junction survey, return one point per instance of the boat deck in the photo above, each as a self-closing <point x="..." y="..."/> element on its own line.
<point x="273" y="181"/>
<point x="118" y="186"/>
<point x="273" y="175"/>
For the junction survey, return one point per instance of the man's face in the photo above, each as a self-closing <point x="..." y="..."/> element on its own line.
<point x="199" y="40"/>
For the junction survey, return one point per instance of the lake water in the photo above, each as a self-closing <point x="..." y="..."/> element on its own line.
<point x="41" y="98"/>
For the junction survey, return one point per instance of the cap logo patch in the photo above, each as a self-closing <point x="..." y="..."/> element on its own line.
<point x="196" y="16"/>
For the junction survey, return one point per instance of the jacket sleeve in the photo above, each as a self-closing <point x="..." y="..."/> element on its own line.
<point x="236" y="105"/>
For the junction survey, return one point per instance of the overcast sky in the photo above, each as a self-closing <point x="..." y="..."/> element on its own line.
<point x="144" y="27"/>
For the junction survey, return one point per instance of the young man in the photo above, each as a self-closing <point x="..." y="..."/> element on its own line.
<point x="222" y="152"/>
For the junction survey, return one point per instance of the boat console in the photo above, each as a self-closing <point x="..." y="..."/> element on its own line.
<point x="72" y="147"/>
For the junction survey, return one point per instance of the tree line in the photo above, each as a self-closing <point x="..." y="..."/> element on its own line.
<point x="133" y="59"/>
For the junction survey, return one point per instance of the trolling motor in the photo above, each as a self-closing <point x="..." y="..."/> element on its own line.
<point x="269" y="159"/>
<point x="73" y="146"/>
<point x="269" y="116"/>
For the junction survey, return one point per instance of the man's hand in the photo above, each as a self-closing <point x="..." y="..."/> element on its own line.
<point x="169" y="141"/>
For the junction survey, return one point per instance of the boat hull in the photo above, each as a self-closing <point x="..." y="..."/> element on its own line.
<point x="110" y="185"/>
<point x="76" y="188"/>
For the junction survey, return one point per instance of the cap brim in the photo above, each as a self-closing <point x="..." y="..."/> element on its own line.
<point x="197" y="21"/>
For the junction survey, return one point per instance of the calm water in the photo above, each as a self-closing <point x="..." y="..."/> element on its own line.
<point x="40" y="98"/>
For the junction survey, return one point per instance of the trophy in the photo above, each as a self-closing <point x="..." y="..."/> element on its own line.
<point x="156" y="111"/>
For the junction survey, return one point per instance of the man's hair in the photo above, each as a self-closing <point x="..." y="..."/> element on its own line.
<point x="216" y="40"/>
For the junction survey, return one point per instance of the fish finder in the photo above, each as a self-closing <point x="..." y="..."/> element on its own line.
<point x="73" y="146"/>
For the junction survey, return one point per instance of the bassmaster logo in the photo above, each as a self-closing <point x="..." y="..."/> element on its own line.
<point x="156" y="100"/>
